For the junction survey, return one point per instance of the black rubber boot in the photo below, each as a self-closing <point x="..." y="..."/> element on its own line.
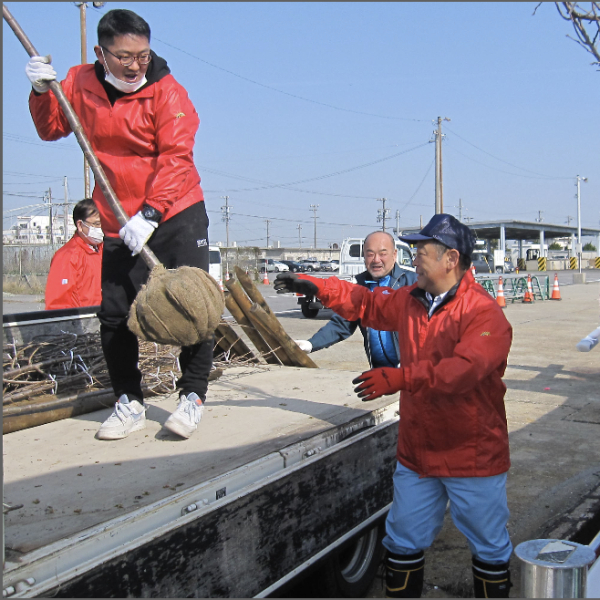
<point x="491" y="581"/>
<point x="404" y="575"/>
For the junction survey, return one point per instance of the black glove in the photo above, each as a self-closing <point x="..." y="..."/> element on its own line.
<point x="297" y="284"/>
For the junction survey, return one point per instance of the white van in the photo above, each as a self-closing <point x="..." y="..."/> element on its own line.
<point x="352" y="260"/>
<point x="215" y="267"/>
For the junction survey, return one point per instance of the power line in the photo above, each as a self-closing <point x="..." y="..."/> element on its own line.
<point x="502" y="170"/>
<point x="502" y="160"/>
<point x="273" y="89"/>
<point x="318" y="178"/>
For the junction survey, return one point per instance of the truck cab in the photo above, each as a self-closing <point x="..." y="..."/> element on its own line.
<point x="215" y="266"/>
<point x="352" y="263"/>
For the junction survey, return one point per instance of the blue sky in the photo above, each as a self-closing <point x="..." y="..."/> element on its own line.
<point x="332" y="104"/>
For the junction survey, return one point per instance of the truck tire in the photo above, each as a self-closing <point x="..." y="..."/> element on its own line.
<point x="350" y="571"/>
<point x="309" y="313"/>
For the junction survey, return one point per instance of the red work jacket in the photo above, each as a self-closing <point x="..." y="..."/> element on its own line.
<point x="452" y="414"/>
<point x="144" y="142"/>
<point x="74" y="277"/>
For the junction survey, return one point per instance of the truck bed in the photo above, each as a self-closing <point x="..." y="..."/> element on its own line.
<point x="257" y="421"/>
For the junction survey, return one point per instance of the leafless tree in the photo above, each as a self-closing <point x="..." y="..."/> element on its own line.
<point x="586" y="23"/>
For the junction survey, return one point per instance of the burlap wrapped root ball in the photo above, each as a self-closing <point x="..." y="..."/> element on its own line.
<point x="180" y="307"/>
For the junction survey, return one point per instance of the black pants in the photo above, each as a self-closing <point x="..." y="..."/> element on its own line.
<point x="180" y="241"/>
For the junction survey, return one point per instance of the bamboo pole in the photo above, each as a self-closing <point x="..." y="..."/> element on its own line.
<point x="270" y="322"/>
<point x="237" y="293"/>
<point x="248" y="328"/>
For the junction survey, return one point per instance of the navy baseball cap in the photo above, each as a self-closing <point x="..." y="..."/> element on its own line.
<point x="448" y="230"/>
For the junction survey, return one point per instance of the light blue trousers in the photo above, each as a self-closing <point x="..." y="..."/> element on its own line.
<point x="477" y="504"/>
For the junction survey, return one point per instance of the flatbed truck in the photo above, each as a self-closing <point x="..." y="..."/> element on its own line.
<point x="288" y="473"/>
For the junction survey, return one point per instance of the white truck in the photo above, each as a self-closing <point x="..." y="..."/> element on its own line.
<point x="289" y="474"/>
<point x="352" y="263"/>
<point x="215" y="264"/>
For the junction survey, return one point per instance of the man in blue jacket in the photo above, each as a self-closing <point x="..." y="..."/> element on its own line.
<point x="380" y="255"/>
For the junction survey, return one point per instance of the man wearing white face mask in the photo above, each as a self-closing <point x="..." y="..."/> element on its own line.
<point x="141" y="125"/>
<point x="74" y="277"/>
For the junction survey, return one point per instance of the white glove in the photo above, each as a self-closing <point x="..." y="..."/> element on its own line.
<point x="40" y="72"/>
<point x="136" y="232"/>
<point x="304" y="345"/>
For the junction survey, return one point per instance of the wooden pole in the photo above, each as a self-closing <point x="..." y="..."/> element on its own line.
<point x="237" y="293"/>
<point x="270" y="322"/>
<point x="252" y="291"/>
<point x="299" y="357"/>
<point x="231" y="341"/>
<point x="246" y="325"/>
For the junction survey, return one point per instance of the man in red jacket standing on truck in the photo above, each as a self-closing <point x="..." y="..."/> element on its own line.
<point x="74" y="277"/>
<point x="141" y="125"/>
<point x="453" y="436"/>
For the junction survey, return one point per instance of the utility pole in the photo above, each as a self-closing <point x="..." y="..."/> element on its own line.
<point x="267" y="222"/>
<point x="439" y="188"/>
<point x="66" y="210"/>
<point x="314" y="207"/>
<point x="539" y="219"/>
<point x="460" y="209"/>
<point x="226" y="218"/>
<point x="51" y="229"/>
<point x="382" y="213"/>
<point x="299" y="235"/>
<point x="569" y="219"/>
<point x="397" y="231"/>
<point x="83" y="33"/>
<point x="579" y="248"/>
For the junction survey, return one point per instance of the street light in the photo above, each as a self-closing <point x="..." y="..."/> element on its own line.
<point x="579" y="248"/>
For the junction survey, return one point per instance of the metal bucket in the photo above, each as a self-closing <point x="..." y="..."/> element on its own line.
<point x="554" y="568"/>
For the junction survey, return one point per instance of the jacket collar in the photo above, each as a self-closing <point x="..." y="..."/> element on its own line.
<point x="83" y="244"/>
<point x="395" y="275"/>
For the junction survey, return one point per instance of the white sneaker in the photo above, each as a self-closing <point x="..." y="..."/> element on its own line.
<point x="129" y="416"/>
<point x="184" y="421"/>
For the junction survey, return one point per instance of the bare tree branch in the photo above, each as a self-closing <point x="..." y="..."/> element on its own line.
<point x="585" y="22"/>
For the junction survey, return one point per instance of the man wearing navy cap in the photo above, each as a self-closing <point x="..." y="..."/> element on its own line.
<point x="453" y="436"/>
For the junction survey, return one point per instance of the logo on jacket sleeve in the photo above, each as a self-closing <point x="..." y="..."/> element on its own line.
<point x="485" y="334"/>
<point x="179" y="115"/>
<point x="64" y="281"/>
<point x="201" y="242"/>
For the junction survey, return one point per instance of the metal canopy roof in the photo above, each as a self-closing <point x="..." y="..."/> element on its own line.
<point x="520" y="230"/>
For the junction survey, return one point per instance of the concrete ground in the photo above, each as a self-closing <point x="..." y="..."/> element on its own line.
<point x="553" y="411"/>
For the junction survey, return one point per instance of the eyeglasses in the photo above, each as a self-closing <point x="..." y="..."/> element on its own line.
<point x="96" y="225"/>
<point x="127" y="61"/>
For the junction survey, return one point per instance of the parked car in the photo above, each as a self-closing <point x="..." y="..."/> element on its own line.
<point x="328" y="265"/>
<point x="311" y="264"/>
<point x="272" y="266"/>
<point x="335" y="265"/>
<point x="294" y="266"/>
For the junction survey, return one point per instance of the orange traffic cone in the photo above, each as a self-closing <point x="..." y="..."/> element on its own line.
<point x="473" y="270"/>
<point x="227" y="276"/>
<point x="221" y="285"/>
<point x="529" y="293"/>
<point x="266" y="277"/>
<point x="555" y="290"/>
<point x="500" y="296"/>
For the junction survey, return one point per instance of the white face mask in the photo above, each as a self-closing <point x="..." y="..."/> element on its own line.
<point x="122" y="86"/>
<point x="94" y="236"/>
